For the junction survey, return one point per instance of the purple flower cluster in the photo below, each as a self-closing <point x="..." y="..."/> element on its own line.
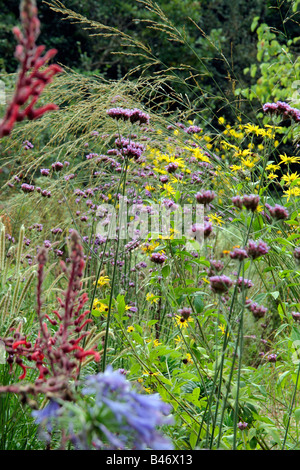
<point x="185" y="312"/>
<point x="282" y="108"/>
<point x="272" y="358"/>
<point x="38" y="227"/>
<point x="237" y="202"/>
<point x="27" y="188"/>
<point x="220" y="284"/>
<point x="242" y="425"/>
<point x="215" y="266"/>
<point x="57" y="166"/>
<point x="164" y="179"/>
<point x="45" y="193"/>
<point x="133" y="115"/>
<point x="56" y="230"/>
<point x="296" y="254"/>
<point x="241" y="282"/>
<point x="239" y="254"/>
<point x="130" y="148"/>
<point x="158" y="258"/>
<point x="296" y="316"/>
<point x="278" y="212"/>
<point x="198" y="231"/>
<point x="255" y="250"/>
<point x="171" y="167"/>
<point x="258" y="311"/>
<point x="251" y="201"/>
<point x="205" y="197"/>
<point x="193" y="129"/>
<point x="27" y="145"/>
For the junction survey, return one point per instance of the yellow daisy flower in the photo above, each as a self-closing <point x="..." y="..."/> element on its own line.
<point x="103" y="281"/>
<point x="291" y="192"/>
<point x="289" y="178"/>
<point x="153" y="299"/>
<point x="286" y="160"/>
<point x="183" y="322"/>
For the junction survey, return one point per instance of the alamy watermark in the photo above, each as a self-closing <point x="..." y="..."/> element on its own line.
<point x="296" y="94"/>
<point x="2" y="93"/>
<point x="140" y="221"/>
<point x="2" y="352"/>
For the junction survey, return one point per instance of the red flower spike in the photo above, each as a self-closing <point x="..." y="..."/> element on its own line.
<point x="56" y="353"/>
<point x="31" y="80"/>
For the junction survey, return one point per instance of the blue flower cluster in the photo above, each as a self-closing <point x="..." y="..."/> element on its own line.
<point x="137" y="415"/>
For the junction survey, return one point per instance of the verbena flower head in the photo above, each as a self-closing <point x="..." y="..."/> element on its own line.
<point x="255" y="250"/>
<point x="272" y="358"/>
<point x="242" y="425"/>
<point x="133" y="115"/>
<point x="296" y="254"/>
<point x="27" y="188"/>
<point x="171" y="167"/>
<point x="296" y="316"/>
<point x="200" y="231"/>
<point x="258" y="311"/>
<point x="205" y="197"/>
<point x="278" y="212"/>
<point x="57" y="166"/>
<point x="220" y="284"/>
<point x="215" y="266"/>
<point x="282" y="108"/>
<point x="158" y="258"/>
<point x="193" y="130"/>
<point x="244" y="283"/>
<point x="251" y="201"/>
<point x="237" y="202"/>
<point x="185" y="312"/>
<point x="239" y="254"/>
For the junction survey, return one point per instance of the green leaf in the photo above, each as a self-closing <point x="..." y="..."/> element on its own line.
<point x="138" y="328"/>
<point x="96" y="313"/>
<point x="166" y="270"/>
<point x="137" y="337"/>
<point x="121" y="304"/>
<point x="273" y="433"/>
<point x="282" y="241"/>
<point x="198" y="304"/>
<point x="135" y="368"/>
<point x="297" y="414"/>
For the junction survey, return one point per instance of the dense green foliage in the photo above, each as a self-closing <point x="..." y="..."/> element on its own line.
<point x="221" y="42"/>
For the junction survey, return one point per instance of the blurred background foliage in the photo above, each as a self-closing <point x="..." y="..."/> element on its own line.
<point x="251" y="49"/>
